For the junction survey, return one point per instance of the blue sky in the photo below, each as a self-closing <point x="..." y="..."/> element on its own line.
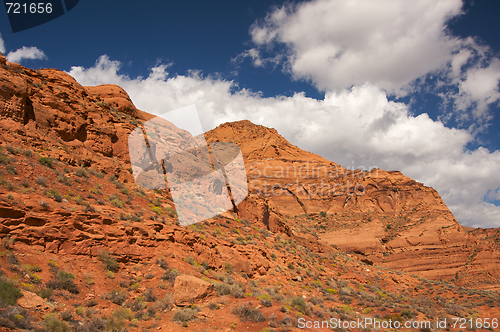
<point x="406" y="85"/>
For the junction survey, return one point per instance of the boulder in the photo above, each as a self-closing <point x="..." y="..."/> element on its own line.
<point x="32" y="301"/>
<point x="189" y="290"/>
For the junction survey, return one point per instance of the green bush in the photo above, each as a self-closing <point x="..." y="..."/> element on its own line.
<point x="64" y="280"/>
<point x="170" y="275"/>
<point x="110" y="262"/>
<point x="46" y="161"/>
<point x="9" y="294"/>
<point x="265" y="300"/>
<point x="54" y="194"/>
<point x="53" y="324"/>
<point x="299" y="303"/>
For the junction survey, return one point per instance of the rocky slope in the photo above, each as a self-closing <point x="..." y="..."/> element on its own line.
<point x="92" y="251"/>
<point x="388" y="218"/>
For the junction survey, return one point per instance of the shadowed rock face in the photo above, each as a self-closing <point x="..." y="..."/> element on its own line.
<point x="385" y="218"/>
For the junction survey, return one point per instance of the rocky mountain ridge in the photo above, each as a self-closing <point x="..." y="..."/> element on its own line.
<point x="86" y="249"/>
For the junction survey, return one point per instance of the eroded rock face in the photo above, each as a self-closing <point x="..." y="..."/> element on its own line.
<point x="386" y="217"/>
<point x="189" y="290"/>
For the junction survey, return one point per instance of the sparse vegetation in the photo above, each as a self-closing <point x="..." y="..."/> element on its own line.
<point x="46" y="161"/>
<point x="247" y="313"/>
<point x="9" y="293"/>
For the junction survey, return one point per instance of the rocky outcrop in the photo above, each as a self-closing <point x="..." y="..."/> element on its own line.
<point x="189" y="290"/>
<point x="32" y="301"/>
<point x="386" y="217"/>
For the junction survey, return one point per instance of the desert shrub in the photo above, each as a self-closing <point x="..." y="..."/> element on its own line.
<point x="265" y="300"/>
<point x="156" y="209"/>
<point x="54" y="194"/>
<point x="237" y="291"/>
<point x="149" y="296"/>
<point x="186" y="314"/>
<point x="222" y="289"/>
<point x="64" y="180"/>
<point x="14" y="317"/>
<point x="316" y="300"/>
<point x="12" y="149"/>
<point x="41" y="181"/>
<point x="9" y="294"/>
<point x="53" y="324"/>
<point x="110" y="263"/>
<point x="67" y="315"/>
<point x="166" y="302"/>
<point x="299" y="303"/>
<point x="116" y="201"/>
<point x="91" y="303"/>
<point x="123" y="313"/>
<point x="46" y="161"/>
<point x="213" y="306"/>
<point x="12" y="259"/>
<point x="247" y="313"/>
<point x="117" y="296"/>
<point x="46" y="293"/>
<point x="64" y="280"/>
<point x="170" y="275"/>
<point x="407" y="313"/>
<point x="138" y="304"/>
<point x="81" y="172"/>
<point x="170" y="212"/>
<point x="11" y="169"/>
<point x="3" y="158"/>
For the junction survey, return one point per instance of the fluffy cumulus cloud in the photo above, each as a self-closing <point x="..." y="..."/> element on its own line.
<point x="337" y="44"/>
<point x="357" y="127"/>
<point x="23" y="53"/>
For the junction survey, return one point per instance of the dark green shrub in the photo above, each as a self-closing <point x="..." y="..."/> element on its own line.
<point x="299" y="303"/>
<point x="46" y="161"/>
<point x="9" y="294"/>
<point x="53" y="324"/>
<point x="64" y="280"/>
<point x="170" y="275"/>
<point x="54" y="194"/>
<point x="110" y="262"/>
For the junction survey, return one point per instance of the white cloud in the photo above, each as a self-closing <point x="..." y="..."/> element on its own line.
<point x="2" y="45"/>
<point x="338" y="43"/>
<point x="391" y="44"/>
<point x="24" y="52"/>
<point x="339" y="128"/>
